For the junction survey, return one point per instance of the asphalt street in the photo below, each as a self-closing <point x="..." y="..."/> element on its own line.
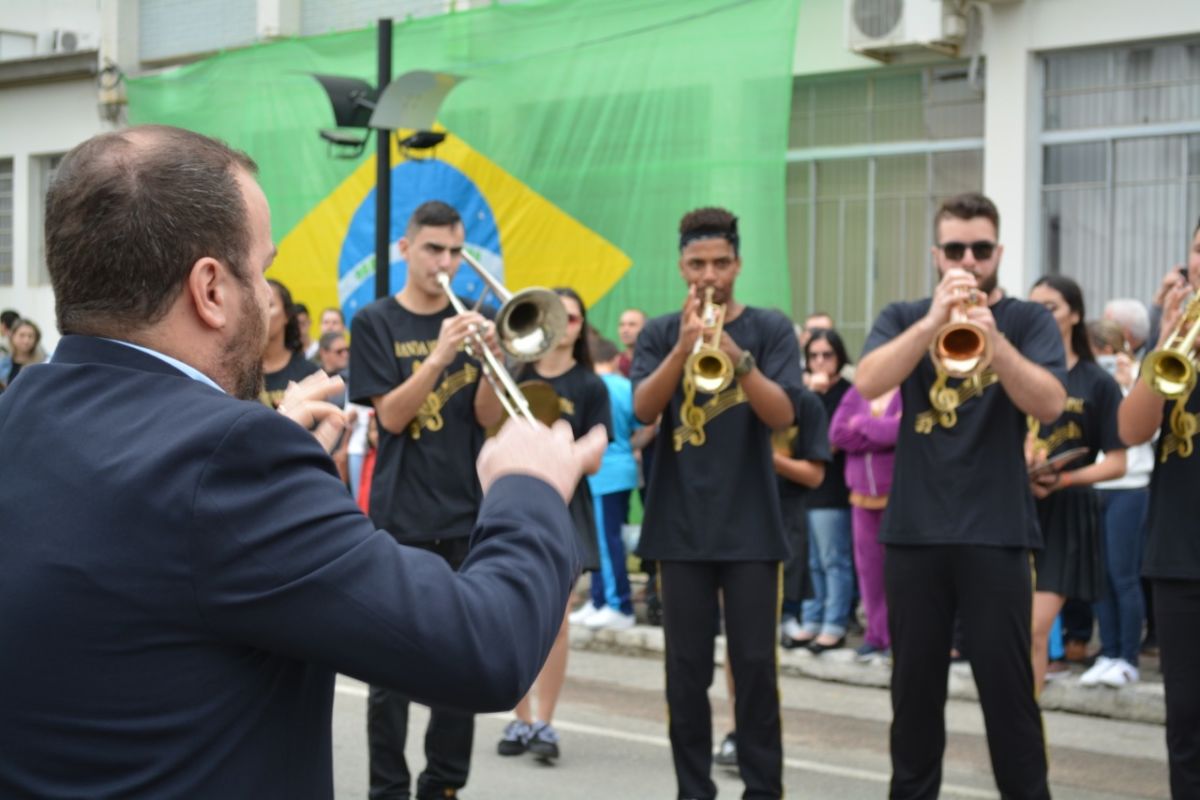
<point x="612" y="719"/>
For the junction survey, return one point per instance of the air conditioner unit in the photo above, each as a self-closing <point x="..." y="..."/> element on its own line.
<point x="64" y="42"/>
<point x="884" y="29"/>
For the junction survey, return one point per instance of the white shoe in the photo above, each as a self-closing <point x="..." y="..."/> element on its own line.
<point x="581" y="615"/>
<point x="1120" y="673"/>
<point x="611" y="618"/>
<point x="1092" y="676"/>
<point x="792" y="628"/>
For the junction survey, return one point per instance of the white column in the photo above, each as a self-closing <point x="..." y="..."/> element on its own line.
<point x="1012" y="159"/>
<point x="277" y="18"/>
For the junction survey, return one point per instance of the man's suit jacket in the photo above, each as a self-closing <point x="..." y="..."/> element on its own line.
<point x="182" y="573"/>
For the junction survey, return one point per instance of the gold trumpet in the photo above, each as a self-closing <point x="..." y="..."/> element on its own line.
<point x="961" y="349"/>
<point x="1171" y="370"/>
<point x="709" y="368"/>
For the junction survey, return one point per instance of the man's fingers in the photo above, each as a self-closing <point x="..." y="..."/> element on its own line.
<point x="327" y="432"/>
<point x="590" y="448"/>
<point x="562" y="431"/>
<point x="317" y="386"/>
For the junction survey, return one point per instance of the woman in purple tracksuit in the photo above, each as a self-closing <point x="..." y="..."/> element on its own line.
<point x="866" y="431"/>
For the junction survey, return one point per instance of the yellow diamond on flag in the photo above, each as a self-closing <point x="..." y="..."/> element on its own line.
<point x="328" y="258"/>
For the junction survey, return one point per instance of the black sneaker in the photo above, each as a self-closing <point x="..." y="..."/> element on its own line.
<point x="515" y="739"/>
<point x="726" y="755"/>
<point x="543" y="741"/>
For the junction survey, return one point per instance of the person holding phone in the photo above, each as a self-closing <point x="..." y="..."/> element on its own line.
<point x="1071" y="564"/>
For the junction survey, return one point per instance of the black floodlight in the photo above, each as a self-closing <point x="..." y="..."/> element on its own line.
<point x="353" y="102"/>
<point x="422" y="140"/>
<point x="343" y="144"/>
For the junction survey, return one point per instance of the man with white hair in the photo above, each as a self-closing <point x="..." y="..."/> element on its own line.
<point x="1133" y="318"/>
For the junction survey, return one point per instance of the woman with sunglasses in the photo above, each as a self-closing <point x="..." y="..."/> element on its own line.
<point x="583" y="402"/>
<point x="1071" y="561"/>
<point x="825" y="614"/>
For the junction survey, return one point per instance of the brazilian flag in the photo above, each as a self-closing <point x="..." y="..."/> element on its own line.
<point x="583" y="131"/>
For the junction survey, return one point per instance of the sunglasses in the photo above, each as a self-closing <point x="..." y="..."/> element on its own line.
<point x="954" y="251"/>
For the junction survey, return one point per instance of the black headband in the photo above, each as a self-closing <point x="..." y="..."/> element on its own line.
<point x="709" y="233"/>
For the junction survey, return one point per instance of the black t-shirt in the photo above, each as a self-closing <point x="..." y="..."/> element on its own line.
<point x="718" y="501"/>
<point x="583" y="402"/>
<point x="807" y="439"/>
<point x="1173" y="546"/>
<point x="276" y="383"/>
<point x="425" y="487"/>
<point x="832" y="493"/>
<point x="965" y="484"/>
<point x="1090" y="418"/>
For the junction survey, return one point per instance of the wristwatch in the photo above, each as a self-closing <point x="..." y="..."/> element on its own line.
<point x="744" y="365"/>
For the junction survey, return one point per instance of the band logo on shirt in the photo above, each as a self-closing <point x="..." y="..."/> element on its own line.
<point x="1071" y="432"/>
<point x="566" y="407"/>
<point x="694" y="418"/>
<point x="429" y="415"/>
<point x="417" y="348"/>
<point x="1178" y="440"/>
<point x="946" y="400"/>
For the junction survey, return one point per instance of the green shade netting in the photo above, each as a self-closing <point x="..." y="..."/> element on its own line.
<point x="624" y="114"/>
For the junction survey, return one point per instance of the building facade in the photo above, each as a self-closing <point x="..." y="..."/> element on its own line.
<point x="1081" y="118"/>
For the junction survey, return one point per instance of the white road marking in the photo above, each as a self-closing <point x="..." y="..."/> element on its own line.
<point x="948" y="789"/>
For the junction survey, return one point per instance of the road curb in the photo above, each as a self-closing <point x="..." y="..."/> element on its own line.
<point x="1141" y="702"/>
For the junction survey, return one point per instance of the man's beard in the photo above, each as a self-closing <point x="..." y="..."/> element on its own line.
<point x="243" y="353"/>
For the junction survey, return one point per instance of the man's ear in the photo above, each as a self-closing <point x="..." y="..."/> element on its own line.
<point x="208" y="287"/>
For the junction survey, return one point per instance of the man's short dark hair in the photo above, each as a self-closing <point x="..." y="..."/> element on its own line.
<point x="603" y="351"/>
<point x="335" y="310"/>
<point x="327" y="339"/>
<point x="967" y="205"/>
<point x="708" y="223"/>
<point x="127" y="216"/>
<point x="301" y="308"/>
<point x="432" y="214"/>
<point x="8" y="316"/>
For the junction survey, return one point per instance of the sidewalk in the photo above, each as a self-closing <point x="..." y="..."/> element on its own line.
<point x="1141" y="702"/>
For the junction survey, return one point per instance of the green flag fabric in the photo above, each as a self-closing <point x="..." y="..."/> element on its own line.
<point x="583" y="131"/>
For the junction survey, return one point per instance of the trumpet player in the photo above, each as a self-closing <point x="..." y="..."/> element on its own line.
<point x="1172" y="555"/>
<point x="408" y="361"/>
<point x="713" y="518"/>
<point x="961" y="523"/>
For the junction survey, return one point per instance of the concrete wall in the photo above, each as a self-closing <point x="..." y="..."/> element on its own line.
<point x="36" y="120"/>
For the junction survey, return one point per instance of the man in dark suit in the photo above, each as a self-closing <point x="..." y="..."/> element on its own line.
<point x="181" y="572"/>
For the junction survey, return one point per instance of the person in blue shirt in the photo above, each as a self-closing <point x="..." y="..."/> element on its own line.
<point x="611" y="605"/>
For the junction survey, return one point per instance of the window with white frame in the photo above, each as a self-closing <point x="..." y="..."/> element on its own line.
<point x="42" y="169"/>
<point x="6" y="222"/>
<point x="1120" y="165"/>
<point x="872" y="156"/>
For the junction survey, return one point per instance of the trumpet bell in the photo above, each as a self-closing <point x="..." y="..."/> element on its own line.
<point x="530" y="323"/>
<point x="1169" y="374"/>
<point x="711" y="370"/>
<point x="961" y="350"/>
<point x="1171" y="370"/>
